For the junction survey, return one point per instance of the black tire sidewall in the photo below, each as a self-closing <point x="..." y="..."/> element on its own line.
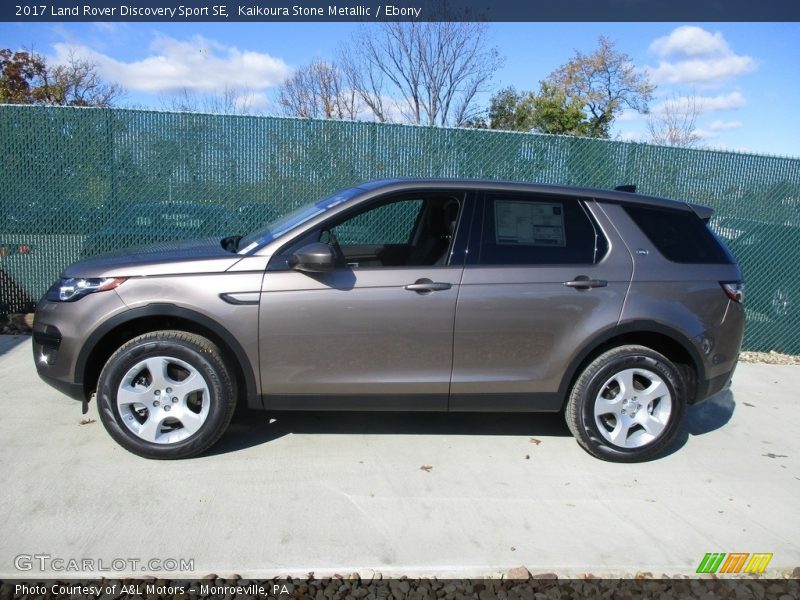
<point x="602" y="447"/>
<point x="124" y="360"/>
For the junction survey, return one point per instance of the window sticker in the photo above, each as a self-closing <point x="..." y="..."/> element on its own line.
<point x="529" y="223"/>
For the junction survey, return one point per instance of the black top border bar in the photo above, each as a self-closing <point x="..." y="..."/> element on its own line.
<point x="398" y="10"/>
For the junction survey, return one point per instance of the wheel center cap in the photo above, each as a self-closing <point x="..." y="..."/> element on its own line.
<point x="631" y="406"/>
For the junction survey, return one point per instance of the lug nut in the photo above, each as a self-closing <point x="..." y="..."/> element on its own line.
<point x="174" y="399"/>
<point x="167" y="407"/>
<point x="156" y="403"/>
<point x="157" y="392"/>
<point x="169" y="390"/>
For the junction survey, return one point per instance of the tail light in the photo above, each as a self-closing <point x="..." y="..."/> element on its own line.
<point x="733" y="290"/>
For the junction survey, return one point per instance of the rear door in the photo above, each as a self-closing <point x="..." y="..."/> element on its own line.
<point x="545" y="273"/>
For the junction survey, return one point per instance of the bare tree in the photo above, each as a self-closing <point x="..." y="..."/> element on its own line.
<point x="604" y="82"/>
<point x="229" y="101"/>
<point x="420" y="72"/>
<point x="318" y="91"/>
<point x="674" y="122"/>
<point x="77" y="83"/>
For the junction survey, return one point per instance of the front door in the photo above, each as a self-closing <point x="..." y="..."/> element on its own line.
<point x="376" y="332"/>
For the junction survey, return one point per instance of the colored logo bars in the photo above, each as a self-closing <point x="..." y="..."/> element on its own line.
<point x="735" y="562"/>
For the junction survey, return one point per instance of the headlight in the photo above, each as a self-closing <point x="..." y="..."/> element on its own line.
<point x="69" y="289"/>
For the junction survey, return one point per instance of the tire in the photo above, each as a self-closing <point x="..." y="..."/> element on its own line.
<point x="182" y="410"/>
<point x="613" y="424"/>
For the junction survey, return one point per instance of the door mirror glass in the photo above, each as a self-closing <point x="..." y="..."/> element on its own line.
<point x="313" y="258"/>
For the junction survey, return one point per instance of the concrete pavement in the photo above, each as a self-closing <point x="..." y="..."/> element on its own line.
<point x="346" y="492"/>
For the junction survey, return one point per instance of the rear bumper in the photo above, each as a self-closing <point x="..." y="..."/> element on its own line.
<point x="709" y="387"/>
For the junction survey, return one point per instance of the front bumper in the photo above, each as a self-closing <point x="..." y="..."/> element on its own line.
<point x="61" y="332"/>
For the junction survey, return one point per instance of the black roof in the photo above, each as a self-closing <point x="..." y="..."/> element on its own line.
<point x="616" y="196"/>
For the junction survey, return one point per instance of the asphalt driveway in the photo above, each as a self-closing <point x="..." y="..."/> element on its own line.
<point x="445" y="495"/>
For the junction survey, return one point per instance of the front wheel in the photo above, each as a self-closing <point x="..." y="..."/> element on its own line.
<point x="166" y="394"/>
<point x="627" y="405"/>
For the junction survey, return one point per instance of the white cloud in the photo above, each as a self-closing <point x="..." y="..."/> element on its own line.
<point x="628" y="115"/>
<point x="715" y="129"/>
<point x="705" y="134"/>
<point x="631" y="136"/>
<point x="252" y="101"/>
<point x="701" y="104"/>
<point x="719" y="125"/>
<point x="197" y="65"/>
<point x="689" y="40"/>
<point x="714" y="70"/>
<point x="693" y="55"/>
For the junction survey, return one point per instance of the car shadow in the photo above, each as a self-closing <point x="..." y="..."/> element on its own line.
<point x="253" y="428"/>
<point x="705" y="417"/>
<point x="9" y="342"/>
<point x="257" y="427"/>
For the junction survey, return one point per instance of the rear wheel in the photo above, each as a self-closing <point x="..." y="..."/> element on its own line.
<point x="627" y="405"/>
<point x="166" y="394"/>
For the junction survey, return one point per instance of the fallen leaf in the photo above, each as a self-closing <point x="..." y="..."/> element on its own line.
<point x="426" y="468"/>
<point x="87" y="421"/>
<point x="535" y="441"/>
<point x="748" y="404"/>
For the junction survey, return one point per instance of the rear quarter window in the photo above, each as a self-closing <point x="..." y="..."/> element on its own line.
<point x="681" y="236"/>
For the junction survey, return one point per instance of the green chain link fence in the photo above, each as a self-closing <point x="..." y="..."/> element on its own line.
<point x="76" y="182"/>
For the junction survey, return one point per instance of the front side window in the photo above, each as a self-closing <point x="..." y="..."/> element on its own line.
<point x="391" y="223"/>
<point x="526" y="229"/>
<point x="406" y="231"/>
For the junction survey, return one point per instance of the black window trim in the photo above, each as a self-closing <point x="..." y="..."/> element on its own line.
<point x="478" y="229"/>
<point x="458" y="244"/>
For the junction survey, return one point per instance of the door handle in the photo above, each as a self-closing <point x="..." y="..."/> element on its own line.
<point x="582" y="283"/>
<point x="426" y="286"/>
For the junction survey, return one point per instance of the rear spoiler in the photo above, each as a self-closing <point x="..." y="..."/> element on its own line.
<point x="704" y="212"/>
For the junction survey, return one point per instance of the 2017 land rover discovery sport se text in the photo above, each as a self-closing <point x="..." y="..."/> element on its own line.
<point x="422" y="295"/>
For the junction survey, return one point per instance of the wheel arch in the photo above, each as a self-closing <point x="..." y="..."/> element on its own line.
<point x="663" y="339"/>
<point x="109" y="336"/>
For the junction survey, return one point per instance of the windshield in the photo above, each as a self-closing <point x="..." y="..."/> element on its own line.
<point x="283" y="224"/>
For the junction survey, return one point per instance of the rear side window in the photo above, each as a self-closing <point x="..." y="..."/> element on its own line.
<point x="681" y="236"/>
<point x="525" y="229"/>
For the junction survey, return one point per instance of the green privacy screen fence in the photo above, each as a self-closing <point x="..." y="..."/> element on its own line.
<point x="77" y="182"/>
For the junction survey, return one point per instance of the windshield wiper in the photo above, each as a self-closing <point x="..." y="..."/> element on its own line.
<point x="231" y="243"/>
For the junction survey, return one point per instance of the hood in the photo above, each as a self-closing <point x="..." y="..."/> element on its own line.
<point x="173" y="258"/>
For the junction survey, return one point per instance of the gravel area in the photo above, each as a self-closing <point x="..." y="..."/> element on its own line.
<point x="537" y="587"/>
<point x="769" y="358"/>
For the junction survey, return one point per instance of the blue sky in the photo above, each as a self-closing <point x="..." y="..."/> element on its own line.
<point x="742" y="75"/>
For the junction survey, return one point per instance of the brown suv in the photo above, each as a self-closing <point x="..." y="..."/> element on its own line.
<point x="420" y="295"/>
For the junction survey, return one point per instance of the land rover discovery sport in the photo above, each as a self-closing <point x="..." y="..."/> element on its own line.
<point x="409" y="295"/>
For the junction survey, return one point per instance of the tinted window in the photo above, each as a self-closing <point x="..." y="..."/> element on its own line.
<point x="521" y="229"/>
<point x="396" y="232"/>
<point x="681" y="236"/>
<point x="388" y="224"/>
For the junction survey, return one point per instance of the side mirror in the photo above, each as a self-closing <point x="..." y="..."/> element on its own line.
<point x="313" y="258"/>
